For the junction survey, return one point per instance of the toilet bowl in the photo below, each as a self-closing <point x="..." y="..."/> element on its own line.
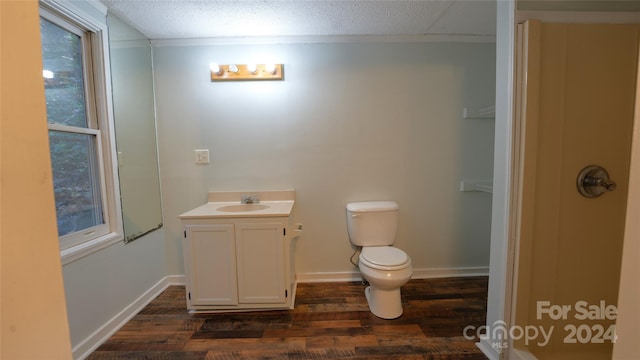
<point x="372" y="225"/>
<point x="386" y="269"/>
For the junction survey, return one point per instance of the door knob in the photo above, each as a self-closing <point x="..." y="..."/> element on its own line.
<point x="594" y="181"/>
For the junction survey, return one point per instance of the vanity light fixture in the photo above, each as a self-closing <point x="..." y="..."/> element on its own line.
<point x="215" y="69"/>
<point x="270" y="68"/>
<point x="237" y="72"/>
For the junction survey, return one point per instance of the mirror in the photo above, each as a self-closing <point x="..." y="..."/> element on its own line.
<point x="136" y="142"/>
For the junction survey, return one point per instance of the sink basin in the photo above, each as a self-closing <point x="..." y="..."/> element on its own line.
<point x="242" y="207"/>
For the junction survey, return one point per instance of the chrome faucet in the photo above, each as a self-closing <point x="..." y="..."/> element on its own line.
<point x="249" y="199"/>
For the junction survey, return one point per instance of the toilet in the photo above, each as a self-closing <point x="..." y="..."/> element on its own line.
<point x="373" y="225"/>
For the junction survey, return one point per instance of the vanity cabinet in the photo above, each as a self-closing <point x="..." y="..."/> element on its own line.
<point x="210" y="265"/>
<point x="238" y="256"/>
<point x="234" y="264"/>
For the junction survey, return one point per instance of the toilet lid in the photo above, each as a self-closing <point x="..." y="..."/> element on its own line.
<point x="384" y="255"/>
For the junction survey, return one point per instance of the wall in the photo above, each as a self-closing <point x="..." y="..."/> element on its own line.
<point x="577" y="5"/>
<point x="103" y="285"/>
<point x="498" y="305"/>
<point x="627" y="346"/>
<point x="100" y="286"/>
<point x="33" y="318"/>
<point x="134" y="118"/>
<point x="351" y="122"/>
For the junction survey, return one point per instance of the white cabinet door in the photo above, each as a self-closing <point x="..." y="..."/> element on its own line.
<point x="261" y="266"/>
<point x="210" y="261"/>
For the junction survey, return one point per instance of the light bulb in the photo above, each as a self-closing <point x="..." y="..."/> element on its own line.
<point x="233" y="68"/>
<point x="215" y="68"/>
<point x="270" y="68"/>
<point x="252" y="68"/>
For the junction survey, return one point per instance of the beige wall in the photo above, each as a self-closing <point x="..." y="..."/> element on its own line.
<point x="33" y="313"/>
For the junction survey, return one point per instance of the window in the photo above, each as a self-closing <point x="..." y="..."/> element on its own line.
<point x="79" y="138"/>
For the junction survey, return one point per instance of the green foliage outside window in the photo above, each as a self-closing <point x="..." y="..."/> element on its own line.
<point x="73" y="151"/>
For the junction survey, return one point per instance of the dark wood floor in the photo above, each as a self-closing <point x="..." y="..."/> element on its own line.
<point x="330" y="321"/>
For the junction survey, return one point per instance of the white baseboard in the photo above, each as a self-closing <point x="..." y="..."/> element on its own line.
<point x="425" y="273"/>
<point x="89" y="344"/>
<point x="431" y="273"/>
<point x="175" y="280"/>
<point x="343" y="276"/>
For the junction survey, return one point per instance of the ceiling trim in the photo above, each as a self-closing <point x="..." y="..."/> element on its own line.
<point x="324" y="39"/>
<point x="594" y="17"/>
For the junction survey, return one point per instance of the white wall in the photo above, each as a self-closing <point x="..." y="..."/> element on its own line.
<point x="351" y="121"/>
<point x="136" y="140"/>
<point x="99" y="286"/>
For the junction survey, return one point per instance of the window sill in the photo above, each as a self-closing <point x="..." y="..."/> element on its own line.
<point x="87" y="248"/>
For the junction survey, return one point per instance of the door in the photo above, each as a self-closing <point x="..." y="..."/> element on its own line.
<point x="627" y="345"/>
<point x="260" y="254"/>
<point x="210" y="259"/>
<point x="575" y="107"/>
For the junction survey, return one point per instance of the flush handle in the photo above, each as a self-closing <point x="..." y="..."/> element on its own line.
<point x="594" y="181"/>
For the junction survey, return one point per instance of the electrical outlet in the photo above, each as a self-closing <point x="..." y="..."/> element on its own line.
<point x="201" y="156"/>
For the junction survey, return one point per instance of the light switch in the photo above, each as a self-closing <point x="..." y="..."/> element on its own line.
<point x="202" y="156"/>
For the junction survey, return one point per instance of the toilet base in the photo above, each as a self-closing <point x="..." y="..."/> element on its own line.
<point x="385" y="304"/>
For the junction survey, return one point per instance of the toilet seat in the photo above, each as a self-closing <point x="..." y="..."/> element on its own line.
<point x="384" y="258"/>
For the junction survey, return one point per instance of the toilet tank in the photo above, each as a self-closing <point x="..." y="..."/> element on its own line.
<point x="372" y="223"/>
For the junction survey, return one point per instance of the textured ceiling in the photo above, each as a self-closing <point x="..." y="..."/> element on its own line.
<point x="177" y="19"/>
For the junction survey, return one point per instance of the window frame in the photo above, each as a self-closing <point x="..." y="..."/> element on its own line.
<point x="100" y="124"/>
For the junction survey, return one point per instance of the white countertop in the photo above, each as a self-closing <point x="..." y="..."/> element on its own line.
<point x="212" y="210"/>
